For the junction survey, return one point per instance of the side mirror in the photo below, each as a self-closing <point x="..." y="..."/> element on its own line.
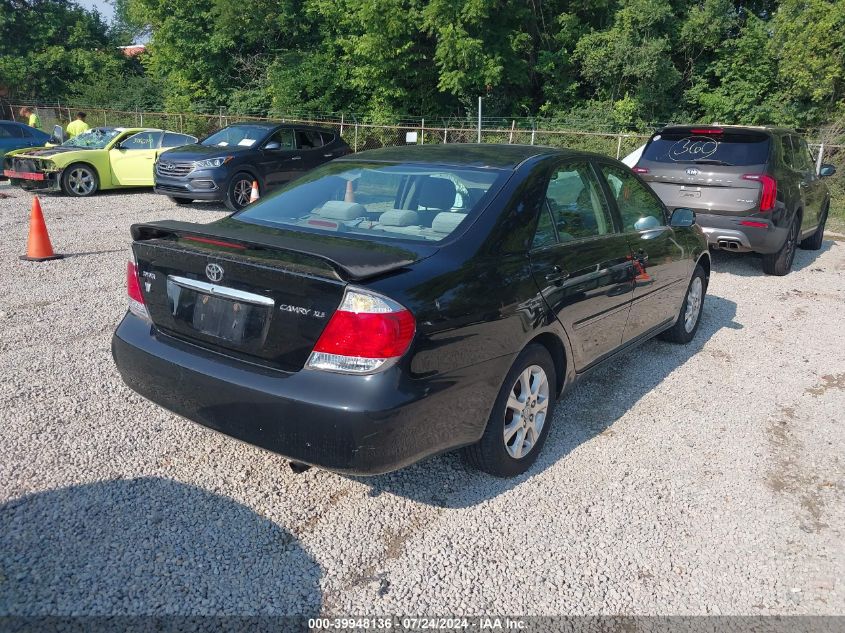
<point x="827" y="170"/>
<point x="273" y="145"/>
<point x="682" y="217"/>
<point x="58" y="136"/>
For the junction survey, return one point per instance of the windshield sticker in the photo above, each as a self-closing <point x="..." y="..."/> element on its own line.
<point x="247" y="142"/>
<point x="693" y="148"/>
<point x="223" y="143"/>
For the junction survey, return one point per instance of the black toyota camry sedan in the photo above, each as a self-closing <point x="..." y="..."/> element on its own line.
<point x="403" y="302"/>
<point x="224" y="165"/>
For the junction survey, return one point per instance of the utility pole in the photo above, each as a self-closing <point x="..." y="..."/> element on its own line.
<point x="479" y="119"/>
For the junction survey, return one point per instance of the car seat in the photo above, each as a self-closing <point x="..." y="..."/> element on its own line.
<point x="434" y="195"/>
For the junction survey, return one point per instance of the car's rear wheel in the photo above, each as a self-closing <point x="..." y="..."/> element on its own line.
<point x="521" y="417"/>
<point x="80" y="180"/>
<point x="239" y="191"/>
<point x="780" y="263"/>
<point x="180" y="200"/>
<point x="814" y="242"/>
<point x="690" y="316"/>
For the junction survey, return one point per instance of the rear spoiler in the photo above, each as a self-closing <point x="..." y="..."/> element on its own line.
<point x="353" y="259"/>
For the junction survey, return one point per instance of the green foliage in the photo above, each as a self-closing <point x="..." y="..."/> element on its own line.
<point x="48" y="45"/>
<point x="603" y="64"/>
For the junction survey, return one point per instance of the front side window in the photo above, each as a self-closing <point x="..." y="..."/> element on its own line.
<point x="639" y="208"/>
<point x="379" y="201"/>
<point x="8" y="131"/>
<point x="284" y="137"/>
<point x="803" y="159"/>
<point x="577" y="204"/>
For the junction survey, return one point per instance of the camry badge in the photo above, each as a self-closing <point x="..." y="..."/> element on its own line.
<point x="692" y="171"/>
<point x="214" y="272"/>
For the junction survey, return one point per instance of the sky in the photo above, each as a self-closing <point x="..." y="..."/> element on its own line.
<point x="105" y="9"/>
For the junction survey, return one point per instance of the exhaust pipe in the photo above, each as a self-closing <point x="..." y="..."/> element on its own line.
<point x="298" y="467"/>
<point x="729" y="245"/>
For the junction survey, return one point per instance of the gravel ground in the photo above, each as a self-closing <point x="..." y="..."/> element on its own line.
<point x="684" y="480"/>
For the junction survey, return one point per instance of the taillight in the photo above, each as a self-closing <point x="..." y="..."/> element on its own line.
<point x="639" y="170"/>
<point x="770" y="190"/>
<point x="133" y="289"/>
<point x="366" y="333"/>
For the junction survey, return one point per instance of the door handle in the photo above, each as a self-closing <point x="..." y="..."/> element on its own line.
<point x="557" y="275"/>
<point x="297" y="158"/>
<point x="327" y="155"/>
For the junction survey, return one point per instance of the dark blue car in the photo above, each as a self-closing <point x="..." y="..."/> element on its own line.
<point x="15" y="135"/>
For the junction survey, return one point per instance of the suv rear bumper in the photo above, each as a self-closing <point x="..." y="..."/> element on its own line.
<point x="354" y="424"/>
<point x="728" y="232"/>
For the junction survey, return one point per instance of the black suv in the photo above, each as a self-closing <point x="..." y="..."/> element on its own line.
<point x="752" y="188"/>
<point x="224" y="165"/>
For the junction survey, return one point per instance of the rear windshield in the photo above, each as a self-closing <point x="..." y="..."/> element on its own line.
<point x="691" y="146"/>
<point x="378" y="200"/>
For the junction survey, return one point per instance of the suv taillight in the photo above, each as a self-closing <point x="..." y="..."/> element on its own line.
<point x="639" y="170"/>
<point x="367" y="333"/>
<point x="137" y="306"/>
<point x="770" y="190"/>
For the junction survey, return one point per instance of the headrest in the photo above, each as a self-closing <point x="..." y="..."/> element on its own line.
<point x="447" y="222"/>
<point x="399" y="217"/>
<point x="340" y="210"/>
<point x="436" y="193"/>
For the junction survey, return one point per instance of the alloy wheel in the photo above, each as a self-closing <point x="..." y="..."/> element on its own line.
<point x="694" y="295"/>
<point x="525" y="412"/>
<point x="81" y="181"/>
<point x="242" y="192"/>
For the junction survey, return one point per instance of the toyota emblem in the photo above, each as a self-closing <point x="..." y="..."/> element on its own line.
<point x="692" y="171"/>
<point x="214" y="272"/>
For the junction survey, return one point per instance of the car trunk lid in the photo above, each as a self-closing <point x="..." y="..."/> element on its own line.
<point x="261" y="294"/>
<point x="703" y="167"/>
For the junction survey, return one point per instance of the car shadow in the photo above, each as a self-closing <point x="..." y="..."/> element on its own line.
<point x="750" y="264"/>
<point x="583" y="413"/>
<point x="151" y="547"/>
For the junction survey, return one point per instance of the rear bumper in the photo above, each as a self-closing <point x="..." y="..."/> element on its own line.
<point x="354" y="424"/>
<point x="729" y="233"/>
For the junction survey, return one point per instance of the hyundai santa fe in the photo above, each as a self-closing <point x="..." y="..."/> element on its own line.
<point x="403" y="302"/>
<point x="752" y="188"/>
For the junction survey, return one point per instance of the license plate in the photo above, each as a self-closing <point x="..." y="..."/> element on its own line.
<point x="690" y="194"/>
<point x="226" y="319"/>
<point x="23" y="175"/>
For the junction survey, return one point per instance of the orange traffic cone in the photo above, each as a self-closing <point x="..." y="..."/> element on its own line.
<point x="254" y="195"/>
<point x="38" y="246"/>
<point x="350" y="194"/>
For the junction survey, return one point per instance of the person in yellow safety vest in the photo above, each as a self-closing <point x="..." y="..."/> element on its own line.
<point x="32" y="119"/>
<point x="74" y="128"/>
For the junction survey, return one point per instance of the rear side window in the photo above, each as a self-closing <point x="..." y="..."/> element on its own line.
<point x="694" y="146"/>
<point x="638" y="207"/>
<point x="171" y="139"/>
<point x="379" y="201"/>
<point x="308" y="139"/>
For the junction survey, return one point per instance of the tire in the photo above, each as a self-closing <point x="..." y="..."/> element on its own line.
<point x="80" y="180"/>
<point x="814" y="242"/>
<point x="689" y="318"/>
<point x="235" y="197"/>
<point x="780" y="263"/>
<point x="180" y="201"/>
<point x="496" y="453"/>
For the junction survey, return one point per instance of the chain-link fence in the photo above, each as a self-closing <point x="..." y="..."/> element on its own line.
<point x="359" y="135"/>
<point x="363" y="135"/>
